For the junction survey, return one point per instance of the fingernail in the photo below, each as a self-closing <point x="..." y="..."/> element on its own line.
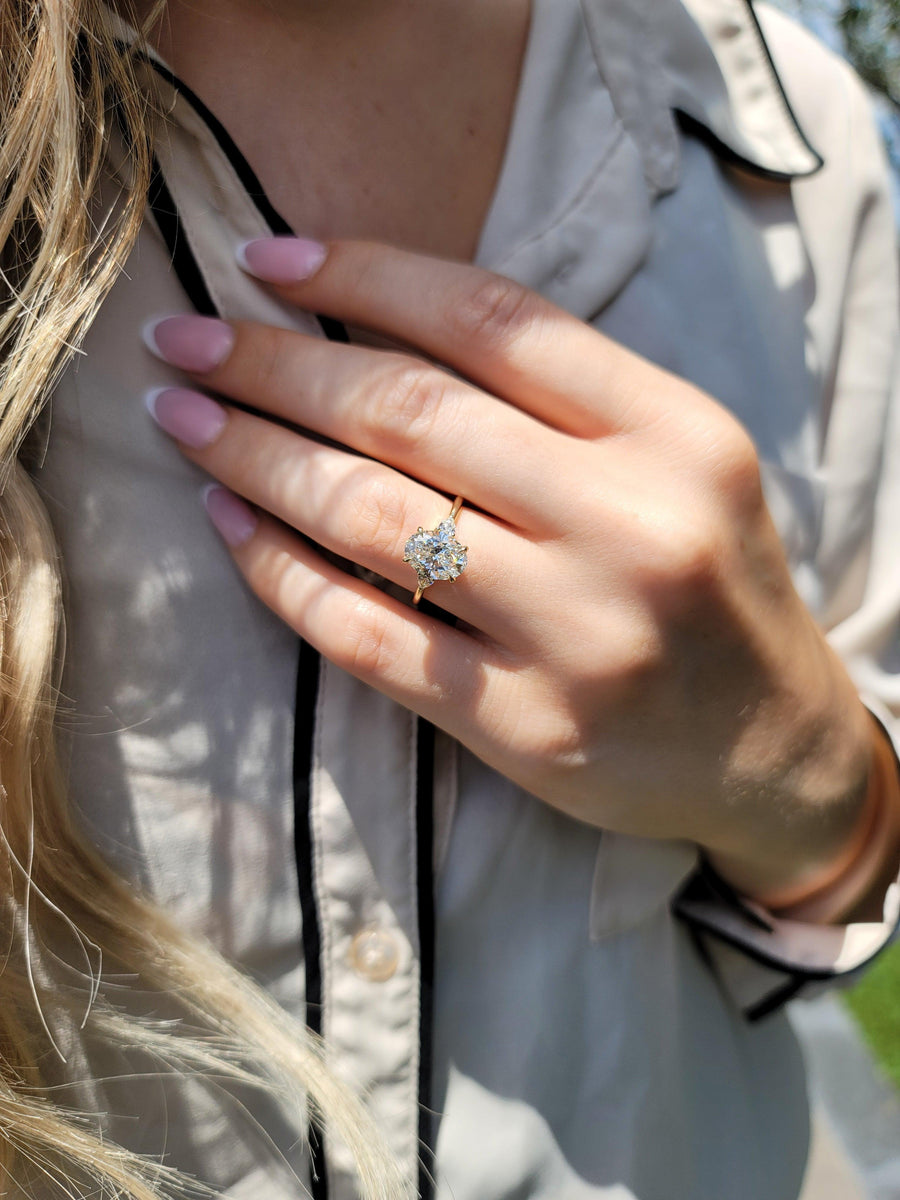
<point x="234" y="519"/>
<point x="282" y="259"/>
<point x="188" y="416"/>
<point x="191" y="342"/>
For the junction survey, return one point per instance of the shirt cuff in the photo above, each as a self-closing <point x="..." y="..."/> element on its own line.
<point x="761" y="960"/>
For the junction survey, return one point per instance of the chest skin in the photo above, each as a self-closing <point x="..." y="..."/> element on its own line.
<point x="386" y="121"/>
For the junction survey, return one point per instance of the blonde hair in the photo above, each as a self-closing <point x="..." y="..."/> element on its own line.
<point x="63" y="82"/>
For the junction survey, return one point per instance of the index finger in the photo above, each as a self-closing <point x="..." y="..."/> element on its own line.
<point x="498" y="334"/>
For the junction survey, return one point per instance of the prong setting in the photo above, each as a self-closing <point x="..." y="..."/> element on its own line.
<point x="436" y="555"/>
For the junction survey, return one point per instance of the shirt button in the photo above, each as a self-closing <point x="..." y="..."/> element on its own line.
<point x="374" y="954"/>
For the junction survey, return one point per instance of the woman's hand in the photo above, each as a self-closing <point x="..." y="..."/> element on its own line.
<point x="629" y="645"/>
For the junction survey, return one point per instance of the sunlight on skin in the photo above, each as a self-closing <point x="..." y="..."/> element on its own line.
<point x="680" y="602"/>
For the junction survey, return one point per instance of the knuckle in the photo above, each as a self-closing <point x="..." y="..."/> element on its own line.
<point x="742" y="475"/>
<point x="694" y="556"/>
<point x="403" y="410"/>
<point x="367" y="648"/>
<point x="630" y="657"/>
<point x="637" y="655"/>
<point x="560" y="744"/>
<point x="733" y="462"/>
<point x="375" y="519"/>
<point x="496" y="312"/>
<point x="686" y="560"/>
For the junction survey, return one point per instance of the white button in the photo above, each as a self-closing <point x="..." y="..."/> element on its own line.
<point x="374" y="954"/>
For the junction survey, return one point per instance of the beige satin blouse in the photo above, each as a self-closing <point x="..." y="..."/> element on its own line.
<point x="541" y="1009"/>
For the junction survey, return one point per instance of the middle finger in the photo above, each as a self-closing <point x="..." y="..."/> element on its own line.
<point x="390" y="406"/>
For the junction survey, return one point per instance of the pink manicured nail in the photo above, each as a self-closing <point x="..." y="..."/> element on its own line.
<point x="282" y="259"/>
<point x="234" y="519"/>
<point x="188" y="416"/>
<point x="190" y="342"/>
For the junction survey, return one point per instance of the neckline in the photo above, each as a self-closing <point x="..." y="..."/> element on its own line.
<point x="568" y="168"/>
<point x="539" y="10"/>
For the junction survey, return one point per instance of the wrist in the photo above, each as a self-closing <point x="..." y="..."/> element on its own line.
<point x="855" y="883"/>
<point x="853" y="880"/>
<point x="798" y="784"/>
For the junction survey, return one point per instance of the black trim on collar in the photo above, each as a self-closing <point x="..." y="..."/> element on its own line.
<point x="773" y="961"/>
<point x="245" y="173"/>
<point x="708" y="99"/>
<point x="703" y="130"/>
<point x="697" y="129"/>
<point x="764" y="45"/>
<point x="159" y="198"/>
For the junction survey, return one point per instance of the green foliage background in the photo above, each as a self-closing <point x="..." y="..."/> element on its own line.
<point x="875" y="1002"/>
<point x="870" y="33"/>
<point x="871" y="36"/>
<point x="867" y="32"/>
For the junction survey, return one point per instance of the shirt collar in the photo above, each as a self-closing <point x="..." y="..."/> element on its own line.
<point x="574" y="220"/>
<point x="704" y="65"/>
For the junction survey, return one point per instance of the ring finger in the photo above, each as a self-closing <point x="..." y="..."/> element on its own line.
<point x="352" y="505"/>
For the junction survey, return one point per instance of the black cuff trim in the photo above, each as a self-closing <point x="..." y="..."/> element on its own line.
<point x="705" y="887"/>
<point x="707" y="884"/>
<point x="775" y="1000"/>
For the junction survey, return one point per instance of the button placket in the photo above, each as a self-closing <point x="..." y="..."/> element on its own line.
<point x="362" y="804"/>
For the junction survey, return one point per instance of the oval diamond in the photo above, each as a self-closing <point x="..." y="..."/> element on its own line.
<point x="435" y="554"/>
